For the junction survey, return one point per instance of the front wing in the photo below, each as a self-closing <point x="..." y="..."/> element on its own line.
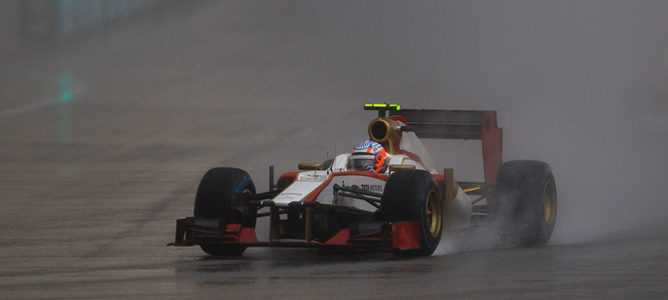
<point x="385" y="235"/>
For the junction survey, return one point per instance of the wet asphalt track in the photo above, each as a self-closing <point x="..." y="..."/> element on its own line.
<point x="91" y="187"/>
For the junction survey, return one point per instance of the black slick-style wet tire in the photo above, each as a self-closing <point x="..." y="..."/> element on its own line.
<point x="224" y="194"/>
<point x="524" y="202"/>
<point x="412" y="195"/>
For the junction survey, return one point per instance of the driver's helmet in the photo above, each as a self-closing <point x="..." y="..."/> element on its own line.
<point x="368" y="156"/>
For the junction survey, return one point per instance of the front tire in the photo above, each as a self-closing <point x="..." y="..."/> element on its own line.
<point x="412" y="195"/>
<point x="224" y="194"/>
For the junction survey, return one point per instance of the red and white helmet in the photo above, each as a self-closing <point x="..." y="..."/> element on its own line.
<point x="368" y="156"/>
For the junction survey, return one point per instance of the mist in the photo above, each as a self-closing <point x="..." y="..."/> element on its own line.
<point x="580" y="85"/>
<point x="112" y="111"/>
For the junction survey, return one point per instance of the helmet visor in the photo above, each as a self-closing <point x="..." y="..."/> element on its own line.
<point x="363" y="162"/>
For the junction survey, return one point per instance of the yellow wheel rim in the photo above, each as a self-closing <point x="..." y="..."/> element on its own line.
<point x="549" y="202"/>
<point x="434" y="214"/>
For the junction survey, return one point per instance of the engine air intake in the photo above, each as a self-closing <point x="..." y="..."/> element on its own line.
<point x="385" y="131"/>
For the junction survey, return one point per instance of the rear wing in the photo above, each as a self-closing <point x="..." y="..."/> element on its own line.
<point x="453" y="124"/>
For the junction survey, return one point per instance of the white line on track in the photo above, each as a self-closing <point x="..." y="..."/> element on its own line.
<point x="77" y="92"/>
<point x="19" y="110"/>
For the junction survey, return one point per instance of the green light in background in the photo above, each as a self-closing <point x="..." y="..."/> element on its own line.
<point x="66" y="88"/>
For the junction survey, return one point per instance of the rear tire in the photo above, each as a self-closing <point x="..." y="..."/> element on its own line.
<point x="412" y="195"/>
<point x="224" y="194"/>
<point x="524" y="203"/>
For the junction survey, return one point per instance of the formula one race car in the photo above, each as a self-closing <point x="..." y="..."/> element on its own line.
<point x="385" y="194"/>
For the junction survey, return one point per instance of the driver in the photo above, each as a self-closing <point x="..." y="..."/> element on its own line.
<point x="368" y="156"/>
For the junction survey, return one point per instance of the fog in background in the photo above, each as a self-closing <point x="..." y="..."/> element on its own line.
<point x="582" y="85"/>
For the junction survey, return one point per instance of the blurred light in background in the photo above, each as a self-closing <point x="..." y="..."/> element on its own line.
<point x="66" y="87"/>
<point x="58" y="19"/>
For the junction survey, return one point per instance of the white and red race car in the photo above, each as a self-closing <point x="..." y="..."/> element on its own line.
<point x="403" y="205"/>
